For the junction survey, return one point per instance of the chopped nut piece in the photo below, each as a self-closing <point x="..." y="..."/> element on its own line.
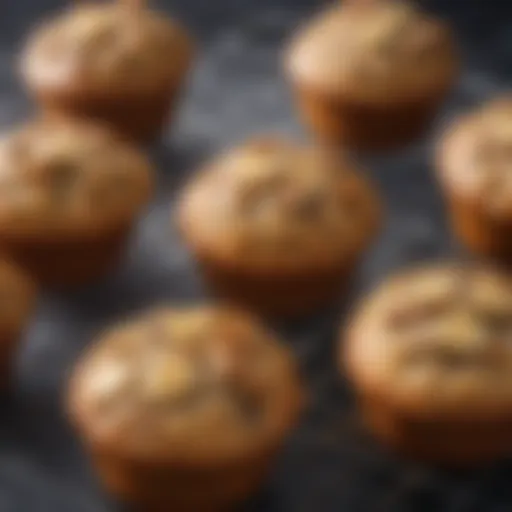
<point x="169" y="379"/>
<point x="309" y="206"/>
<point x="247" y="404"/>
<point x="64" y="175"/>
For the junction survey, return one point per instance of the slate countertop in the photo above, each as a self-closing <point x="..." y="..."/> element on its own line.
<point x="237" y="90"/>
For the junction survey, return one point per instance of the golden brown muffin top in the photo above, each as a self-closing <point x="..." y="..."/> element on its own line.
<point x="437" y="340"/>
<point x="475" y="157"/>
<point x="17" y="295"/>
<point x="370" y="51"/>
<point x="199" y="384"/>
<point x="102" y="46"/>
<point x="275" y="202"/>
<point x="60" y="178"/>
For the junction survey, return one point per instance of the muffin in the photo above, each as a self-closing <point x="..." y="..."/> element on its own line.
<point x="185" y="409"/>
<point x="69" y="194"/>
<point x="17" y="295"/>
<point x="474" y="161"/>
<point x="278" y="227"/>
<point x="113" y="62"/>
<point x="371" y="75"/>
<point x="430" y="357"/>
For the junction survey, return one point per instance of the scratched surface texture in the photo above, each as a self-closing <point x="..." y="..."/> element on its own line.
<point x="237" y="90"/>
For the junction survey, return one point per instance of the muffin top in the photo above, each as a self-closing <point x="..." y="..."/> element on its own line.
<point x="373" y="51"/>
<point x="475" y="157"/>
<point x="60" y="178"/>
<point x="437" y="340"/>
<point x="17" y="295"/>
<point x="111" y="45"/>
<point x="273" y="202"/>
<point x="188" y="384"/>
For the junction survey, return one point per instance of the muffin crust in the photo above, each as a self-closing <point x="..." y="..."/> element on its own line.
<point x="373" y="51"/>
<point x="272" y="203"/>
<point x="107" y="47"/>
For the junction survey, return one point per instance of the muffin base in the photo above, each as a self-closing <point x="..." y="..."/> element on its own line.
<point x="367" y="127"/>
<point x="456" y="444"/>
<point x="483" y="235"/>
<point x="65" y="263"/>
<point x="283" y="294"/>
<point x="140" y="118"/>
<point x="184" y="488"/>
<point x="8" y="347"/>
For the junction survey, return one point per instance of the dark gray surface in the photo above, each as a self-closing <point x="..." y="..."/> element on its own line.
<point x="236" y="91"/>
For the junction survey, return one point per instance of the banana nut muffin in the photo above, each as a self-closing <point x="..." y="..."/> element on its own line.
<point x="371" y="75"/>
<point x="278" y="227"/>
<point x="113" y="62"/>
<point x="17" y="295"/>
<point x="185" y="409"/>
<point x="69" y="194"/>
<point x="430" y="356"/>
<point x="474" y="163"/>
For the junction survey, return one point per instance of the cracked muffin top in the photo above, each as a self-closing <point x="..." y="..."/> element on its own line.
<point x="108" y="47"/>
<point x="437" y="340"/>
<point x="189" y="384"/>
<point x="475" y="157"/>
<point x="274" y="202"/>
<point x="17" y="295"/>
<point x="373" y="51"/>
<point x="60" y="178"/>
